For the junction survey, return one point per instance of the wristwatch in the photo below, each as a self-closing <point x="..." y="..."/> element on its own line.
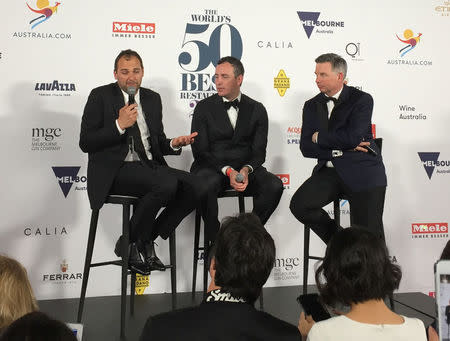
<point x="336" y="153"/>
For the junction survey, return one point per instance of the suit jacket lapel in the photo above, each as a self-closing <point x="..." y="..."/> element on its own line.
<point x="243" y="119"/>
<point x="322" y="112"/>
<point x="221" y="115"/>
<point x="118" y="100"/>
<point x="342" y="98"/>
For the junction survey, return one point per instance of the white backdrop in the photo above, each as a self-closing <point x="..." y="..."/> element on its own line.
<point x="49" y="70"/>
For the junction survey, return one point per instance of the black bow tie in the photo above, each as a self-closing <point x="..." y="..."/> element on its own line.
<point x="327" y="99"/>
<point x="230" y="104"/>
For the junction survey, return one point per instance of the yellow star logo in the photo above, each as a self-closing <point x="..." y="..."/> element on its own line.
<point x="142" y="282"/>
<point x="281" y="83"/>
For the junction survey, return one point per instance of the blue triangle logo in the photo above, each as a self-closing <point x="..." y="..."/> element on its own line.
<point x="66" y="177"/>
<point x="429" y="162"/>
<point x="307" y="18"/>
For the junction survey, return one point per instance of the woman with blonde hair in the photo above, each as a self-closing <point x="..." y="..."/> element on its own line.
<point x="16" y="295"/>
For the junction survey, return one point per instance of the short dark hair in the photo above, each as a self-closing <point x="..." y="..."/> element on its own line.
<point x="127" y="54"/>
<point x="244" y="255"/>
<point x="238" y="68"/>
<point x="37" y="326"/>
<point x="446" y="252"/>
<point x="356" y="268"/>
<point x="338" y="64"/>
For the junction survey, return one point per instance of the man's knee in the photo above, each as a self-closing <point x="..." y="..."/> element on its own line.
<point x="297" y="206"/>
<point x="167" y="189"/>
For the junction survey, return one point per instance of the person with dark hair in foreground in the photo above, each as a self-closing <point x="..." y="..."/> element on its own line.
<point x="122" y="130"/>
<point x="241" y="261"/>
<point x="357" y="272"/>
<point x="230" y="149"/>
<point x="37" y="326"/>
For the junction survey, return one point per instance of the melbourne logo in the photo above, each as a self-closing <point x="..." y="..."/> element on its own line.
<point x="285" y="179"/>
<point x="55" y="88"/>
<point x="67" y="176"/>
<point x="207" y="37"/>
<point x="45" y="139"/>
<point x="429" y="230"/>
<point x="408" y="41"/>
<point x="293" y="135"/>
<point x="310" y="20"/>
<point x="281" y="82"/>
<point x="430" y="161"/>
<point x="41" y="11"/>
<point x="133" y="30"/>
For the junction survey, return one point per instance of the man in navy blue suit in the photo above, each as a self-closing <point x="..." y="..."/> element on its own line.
<point x="336" y="130"/>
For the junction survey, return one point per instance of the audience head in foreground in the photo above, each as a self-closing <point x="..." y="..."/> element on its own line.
<point x="16" y="295"/>
<point x="357" y="272"/>
<point x="37" y="326"/>
<point x="241" y="261"/>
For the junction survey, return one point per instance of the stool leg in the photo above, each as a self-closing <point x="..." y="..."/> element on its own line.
<point x="173" y="269"/>
<point x="261" y="300"/>
<point x="132" y="292"/>
<point x="198" y="221"/>
<point x="241" y="200"/>
<point x="305" y="258"/>
<point x="87" y="261"/>
<point x="125" y="256"/>
<point x="337" y="211"/>
<point x="205" y="264"/>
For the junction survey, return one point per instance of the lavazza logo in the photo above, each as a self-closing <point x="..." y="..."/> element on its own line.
<point x="54" y="88"/>
<point x="293" y="135"/>
<point x="67" y="176"/>
<point x="429" y="230"/>
<point x="430" y="162"/>
<point x="63" y="275"/>
<point x="410" y="112"/>
<point x="209" y="35"/>
<point x="310" y="21"/>
<point x="40" y="15"/>
<point x="286" y="269"/>
<point x="45" y="139"/>
<point x="139" y="30"/>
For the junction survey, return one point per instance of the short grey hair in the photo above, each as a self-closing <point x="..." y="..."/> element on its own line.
<point x="338" y="64"/>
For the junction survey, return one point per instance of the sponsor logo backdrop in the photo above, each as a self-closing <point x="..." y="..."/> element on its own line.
<point x="53" y="54"/>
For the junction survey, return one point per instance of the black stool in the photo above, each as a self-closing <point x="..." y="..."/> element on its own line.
<point x="229" y="193"/>
<point x="126" y="202"/>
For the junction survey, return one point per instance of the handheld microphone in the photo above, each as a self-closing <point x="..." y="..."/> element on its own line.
<point x="239" y="178"/>
<point x="131" y="91"/>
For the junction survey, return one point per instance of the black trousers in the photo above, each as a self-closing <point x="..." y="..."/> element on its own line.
<point x="265" y="188"/>
<point x="323" y="187"/>
<point x="157" y="186"/>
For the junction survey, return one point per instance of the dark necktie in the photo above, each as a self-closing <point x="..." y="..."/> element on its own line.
<point x="135" y="140"/>
<point x="230" y="104"/>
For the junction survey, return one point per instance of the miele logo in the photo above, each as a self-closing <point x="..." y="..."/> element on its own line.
<point x="133" y="27"/>
<point x="422" y="228"/>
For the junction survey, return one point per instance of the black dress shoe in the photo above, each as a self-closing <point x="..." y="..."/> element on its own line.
<point x="151" y="259"/>
<point x="135" y="262"/>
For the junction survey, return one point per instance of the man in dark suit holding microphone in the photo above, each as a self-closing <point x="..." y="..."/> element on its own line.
<point x="337" y="131"/>
<point x="123" y="133"/>
<point x="230" y="149"/>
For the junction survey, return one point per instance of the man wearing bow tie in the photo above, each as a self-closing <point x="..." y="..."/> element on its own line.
<point x="230" y="148"/>
<point x="337" y="131"/>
